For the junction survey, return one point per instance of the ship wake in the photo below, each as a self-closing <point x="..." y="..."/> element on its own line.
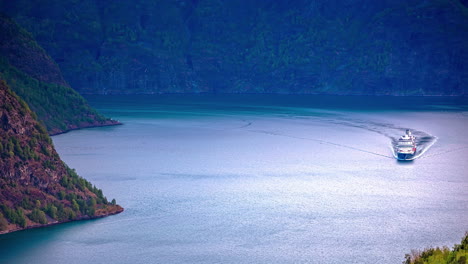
<point x="424" y="141"/>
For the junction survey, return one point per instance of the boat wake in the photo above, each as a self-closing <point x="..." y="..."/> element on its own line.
<point x="424" y="141"/>
<point x="320" y="141"/>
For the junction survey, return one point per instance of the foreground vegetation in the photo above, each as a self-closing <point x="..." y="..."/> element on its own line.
<point x="70" y="203"/>
<point x="36" y="187"/>
<point x="457" y="255"/>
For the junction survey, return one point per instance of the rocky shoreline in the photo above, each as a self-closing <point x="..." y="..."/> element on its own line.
<point x="116" y="209"/>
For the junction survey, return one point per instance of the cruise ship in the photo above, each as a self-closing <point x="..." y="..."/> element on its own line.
<point x="406" y="146"/>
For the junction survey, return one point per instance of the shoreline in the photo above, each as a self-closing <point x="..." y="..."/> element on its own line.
<point x="88" y="125"/>
<point x="280" y="94"/>
<point x="116" y="210"/>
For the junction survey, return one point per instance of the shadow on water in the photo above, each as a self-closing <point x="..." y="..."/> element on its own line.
<point x="16" y="243"/>
<point x="404" y="162"/>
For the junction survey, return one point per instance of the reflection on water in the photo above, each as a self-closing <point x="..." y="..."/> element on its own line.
<point x="282" y="180"/>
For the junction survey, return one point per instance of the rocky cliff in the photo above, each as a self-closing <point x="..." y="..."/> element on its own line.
<point x="389" y="47"/>
<point x="36" y="78"/>
<point x="36" y="187"/>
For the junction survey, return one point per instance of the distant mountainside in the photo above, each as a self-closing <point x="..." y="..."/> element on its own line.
<point x="37" y="79"/>
<point x="387" y="47"/>
<point x="18" y="47"/>
<point x="36" y="187"/>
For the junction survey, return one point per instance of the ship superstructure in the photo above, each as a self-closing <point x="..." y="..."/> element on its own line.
<point x="406" y="146"/>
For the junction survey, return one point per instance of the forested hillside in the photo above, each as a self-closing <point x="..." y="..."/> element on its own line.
<point x="36" y="187"/>
<point x="388" y="47"/>
<point x="36" y="78"/>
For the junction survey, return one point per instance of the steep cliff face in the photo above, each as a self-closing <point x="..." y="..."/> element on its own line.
<point x="36" y="78"/>
<point x="396" y="47"/>
<point x="36" y="187"/>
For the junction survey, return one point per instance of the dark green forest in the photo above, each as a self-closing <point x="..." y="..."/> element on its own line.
<point x="389" y="47"/>
<point x="34" y="76"/>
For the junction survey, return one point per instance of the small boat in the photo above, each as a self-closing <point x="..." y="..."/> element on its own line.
<point x="406" y="146"/>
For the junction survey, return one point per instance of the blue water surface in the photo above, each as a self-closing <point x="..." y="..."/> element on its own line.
<point x="261" y="179"/>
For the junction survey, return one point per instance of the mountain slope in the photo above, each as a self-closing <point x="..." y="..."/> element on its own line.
<point x="36" y="187"/>
<point x="36" y="78"/>
<point x="22" y="52"/>
<point x="389" y="47"/>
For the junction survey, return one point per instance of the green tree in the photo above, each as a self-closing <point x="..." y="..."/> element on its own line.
<point x="21" y="220"/>
<point x="61" y="195"/>
<point x="92" y="202"/>
<point x="70" y="214"/>
<point x="438" y="255"/>
<point x="3" y="222"/>
<point x="26" y="203"/>
<point x="38" y="216"/>
<point x="75" y="206"/>
<point x="61" y="214"/>
<point x="65" y="182"/>
<point x="52" y="211"/>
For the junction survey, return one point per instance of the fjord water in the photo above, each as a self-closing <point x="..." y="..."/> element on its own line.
<point x="262" y="179"/>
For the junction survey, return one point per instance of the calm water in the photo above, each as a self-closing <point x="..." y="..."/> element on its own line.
<point x="250" y="179"/>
